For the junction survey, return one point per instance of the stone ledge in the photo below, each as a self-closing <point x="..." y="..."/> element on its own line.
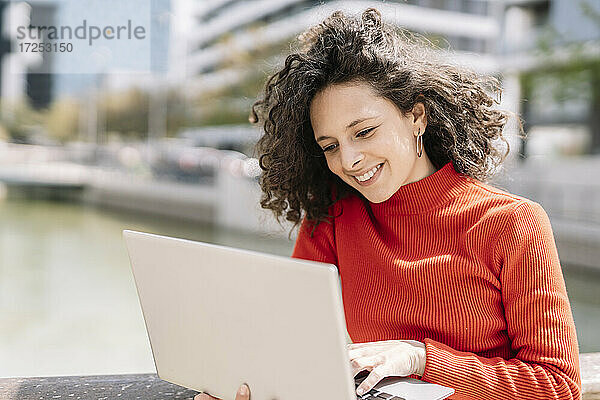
<point x="150" y="387"/>
<point x="101" y="387"/>
<point x="590" y="375"/>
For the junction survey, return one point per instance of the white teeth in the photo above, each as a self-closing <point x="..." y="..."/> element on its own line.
<point x="368" y="175"/>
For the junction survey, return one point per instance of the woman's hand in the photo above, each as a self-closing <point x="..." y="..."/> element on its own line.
<point x="243" y="393"/>
<point x="386" y="358"/>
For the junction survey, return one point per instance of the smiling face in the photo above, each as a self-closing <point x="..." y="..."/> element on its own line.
<point x="367" y="141"/>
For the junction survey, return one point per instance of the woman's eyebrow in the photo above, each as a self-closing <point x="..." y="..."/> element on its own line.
<point x="350" y="125"/>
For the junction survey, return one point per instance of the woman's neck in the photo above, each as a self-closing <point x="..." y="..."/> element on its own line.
<point x="423" y="168"/>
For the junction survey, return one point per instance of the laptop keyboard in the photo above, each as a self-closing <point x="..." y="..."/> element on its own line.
<point x="374" y="394"/>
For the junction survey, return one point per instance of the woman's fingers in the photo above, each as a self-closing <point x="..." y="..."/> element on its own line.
<point x="362" y="352"/>
<point x="204" y="396"/>
<point x="377" y="374"/>
<point x="366" y="351"/>
<point x="243" y="393"/>
<point x="368" y="363"/>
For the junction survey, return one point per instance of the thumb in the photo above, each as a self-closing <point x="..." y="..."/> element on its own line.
<point x="243" y="393"/>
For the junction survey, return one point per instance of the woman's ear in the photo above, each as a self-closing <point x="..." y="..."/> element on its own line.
<point x="419" y="118"/>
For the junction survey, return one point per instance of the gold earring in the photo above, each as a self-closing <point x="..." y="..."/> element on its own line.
<point x="419" y="143"/>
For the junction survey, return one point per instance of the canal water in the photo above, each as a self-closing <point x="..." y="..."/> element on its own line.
<point x="68" y="304"/>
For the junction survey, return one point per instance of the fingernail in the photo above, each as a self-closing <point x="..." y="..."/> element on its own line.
<point x="243" y="390"/>
<point x="360" y="391"/>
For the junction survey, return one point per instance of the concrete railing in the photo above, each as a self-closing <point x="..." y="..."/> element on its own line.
<point x="590" y="375"/>
<point x="150" y="387"/>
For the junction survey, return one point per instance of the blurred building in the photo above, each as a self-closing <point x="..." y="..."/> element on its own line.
<point x="553" y="47"/>
<point x="40" y="78"/>
<point x="24" y="75"/>
<point x="232" y="44"/>
<point x="5" y="43"/>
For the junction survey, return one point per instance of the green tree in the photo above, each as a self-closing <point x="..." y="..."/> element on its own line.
<point x="125" y="112"/>
<point x="62" y="120"/>
<point x="567" y="77"/>
<point x="19" y="120"/>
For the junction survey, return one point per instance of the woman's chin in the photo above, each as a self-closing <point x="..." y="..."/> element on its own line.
<point x="376" y="196"/>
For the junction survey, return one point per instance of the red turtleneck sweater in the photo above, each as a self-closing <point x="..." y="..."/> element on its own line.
<point x="468" y="269"/>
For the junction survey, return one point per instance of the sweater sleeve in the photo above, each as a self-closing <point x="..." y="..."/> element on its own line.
<point x="539" y="324"/>
<point x="320" y="247"/>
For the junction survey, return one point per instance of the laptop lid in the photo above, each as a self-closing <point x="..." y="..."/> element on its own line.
<point x="217" y="317"/>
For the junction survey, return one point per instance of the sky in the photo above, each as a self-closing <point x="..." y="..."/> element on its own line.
<point x="150" y="55"/>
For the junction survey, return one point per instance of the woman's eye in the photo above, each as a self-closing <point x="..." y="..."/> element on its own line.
<point x="359" y="134"/>
<point x="363" y="133"/>
<point x="329" y="148"/>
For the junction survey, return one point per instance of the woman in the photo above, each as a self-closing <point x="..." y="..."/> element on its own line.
<point x="380" y="151"/>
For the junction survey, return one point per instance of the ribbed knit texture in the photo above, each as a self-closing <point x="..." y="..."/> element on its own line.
<point x="468" y="269"/>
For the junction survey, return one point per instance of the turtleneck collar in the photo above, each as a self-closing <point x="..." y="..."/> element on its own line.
<point x="425" y="194"/>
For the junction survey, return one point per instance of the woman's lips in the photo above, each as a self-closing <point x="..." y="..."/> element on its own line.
<point x="372" y="179"/>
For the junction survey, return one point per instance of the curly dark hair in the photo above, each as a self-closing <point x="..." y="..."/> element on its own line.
<point x="399" y="65"/>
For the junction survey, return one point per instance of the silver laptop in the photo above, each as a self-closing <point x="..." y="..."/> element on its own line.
<point x="218" y="317"/>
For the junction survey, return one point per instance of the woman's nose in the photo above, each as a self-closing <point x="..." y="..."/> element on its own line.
<point x="351" y="158"/>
